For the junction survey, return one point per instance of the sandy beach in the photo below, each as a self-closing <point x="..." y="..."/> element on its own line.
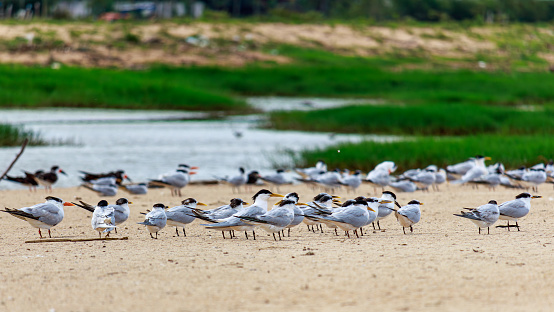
<point x="445" y="265"/>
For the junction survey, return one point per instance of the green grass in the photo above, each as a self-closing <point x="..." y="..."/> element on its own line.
<point x="313" y="73"/>
<point x="14" y="136"/>
<point x="105" y="88"/>
<point x="419" y="119"/>
<point x="513" y="151"/>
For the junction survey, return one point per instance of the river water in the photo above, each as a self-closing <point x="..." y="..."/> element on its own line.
<point x="148" y="143"/>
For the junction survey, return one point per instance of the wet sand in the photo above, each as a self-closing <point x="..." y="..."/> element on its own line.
<point x="445" y="265"/>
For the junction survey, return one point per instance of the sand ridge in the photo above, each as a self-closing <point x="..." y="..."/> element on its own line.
<point x="444" y="266"/>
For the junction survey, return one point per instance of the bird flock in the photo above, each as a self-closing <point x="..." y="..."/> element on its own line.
<point x="349" y="215"/>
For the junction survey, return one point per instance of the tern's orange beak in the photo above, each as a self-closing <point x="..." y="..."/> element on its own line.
<point x="193" y="167"/>
<point x="191" y="173"/>
<point x="68" y="204"/>
<point x="201" y="204"/>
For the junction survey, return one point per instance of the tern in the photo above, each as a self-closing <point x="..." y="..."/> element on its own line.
<point x="175" y="180"/>
<point x="155" y="220"/>
<point x="275" y="220"/>
<point x="484" y="216"/>
<point x="220" y="212"/>
<point x="515" y="209"/>
<point x="476" y="172"/>
<point x="237" y="181"/>
<point x="259" y="207"/>
<point x="121" y="209"/>
<point x="102" y="189"/>
<point x="103" y="219"/>
<point x="179" y="216"/>
<point x="408" y="215"/>
<point x="424" y="179"/>
<point x="353" y="216"/>
<point x="322" y="200"/>
<point x="532" y="178"/>
<point x="135" y="189"/>
<point x="298" y="213"/>
<point x="277" y="179"/>
<point x="385" y="209"/>
<point x="458" y="170"/>
<point x="42" y="216"/>
<point x="353" y="181"/>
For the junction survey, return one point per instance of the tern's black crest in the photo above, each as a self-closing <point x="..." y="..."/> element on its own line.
<point x="324" y="198"/>
<point x="293" y="195"/>
<point x="414" y="202"/>
<point x="286" y="202"/>
<point x="183" y="171"/>
<point x="479" y="156"/>
<point x="493" y="202"/>
<point x="523" y="195"/>
<point x="360" y="198"/>
<point x="261" y="192"/>
<point x="183" y="165"/>
<point x="122" y="201"/>
<point x="159" y="206"/>
<point x="241" y="169"/>
<point x="349" y="202"/>
<point x="103" y="203"/>
<point x="189" y="201"/>
<point x="54" y="168"/>
<point x="371" y="200"/>
<point x="235" y="202"/>
<point x="280" y="170"/>
<point x="252" y="177"/>
<point x="361" y="202"/>
<point x="318" y="196"/>
<point x="390" y="193"/>
<point x="54" y="198"/>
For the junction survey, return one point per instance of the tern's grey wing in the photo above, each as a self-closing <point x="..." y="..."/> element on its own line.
<point x="534" y="177"/>
<point x="45" y="212"/>
<point x="411" y="212"/>
<point x="276" y="179"/>
<point x="237" y="180"/>
<point x="355" y="217"/>
<point x="473" y="174"/>
<point x="182" y="214"/>
<point x="230" y="222"/>
<point x="514" y="208"/>
<point x="252" y="211"/>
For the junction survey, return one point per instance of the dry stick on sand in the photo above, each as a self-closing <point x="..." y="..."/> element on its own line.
<point x="16" y="158"/>
<point x="63" y="240"/>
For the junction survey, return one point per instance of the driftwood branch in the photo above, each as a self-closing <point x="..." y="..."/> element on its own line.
<point x="16" y="158"/>
<point x="63" y="240"/>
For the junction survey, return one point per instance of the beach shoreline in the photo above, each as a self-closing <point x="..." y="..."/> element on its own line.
<point x="445" y="265"/>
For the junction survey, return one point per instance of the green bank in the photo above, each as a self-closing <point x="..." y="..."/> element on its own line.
<point x="419" y="152"/>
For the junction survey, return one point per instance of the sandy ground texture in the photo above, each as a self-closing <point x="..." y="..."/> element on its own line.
<point x="443" y="266"/>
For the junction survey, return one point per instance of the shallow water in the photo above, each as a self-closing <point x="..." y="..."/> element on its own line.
<point x="148" y="143"/>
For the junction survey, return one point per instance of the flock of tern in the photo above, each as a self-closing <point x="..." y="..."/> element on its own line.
<point x="324" y="209"/>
